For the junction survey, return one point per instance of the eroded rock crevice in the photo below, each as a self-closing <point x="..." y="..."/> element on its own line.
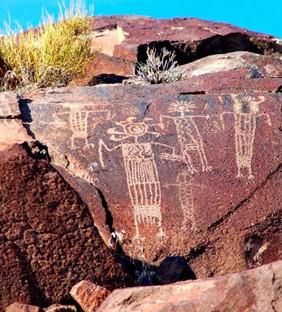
<point x="191" y="51"/>
<point x="253" y="193"/>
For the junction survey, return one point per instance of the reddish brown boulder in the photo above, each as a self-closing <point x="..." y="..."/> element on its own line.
<point x="190" y="173"/>
<point x="105" y="69"/>
<point x="60" y="308"/>
<point x="258" y="66"/>
<point x="191" y="168"/>
<point x="194" y="37"/>
<point x="21" y="307"/>
<point x="255" y="290"/>
<point x="11" y="128"/>
<point x="89" y="296"/>
<point x="14" y="283"/>
<point x="123" y="40"/>
<point x="48" y="239"/>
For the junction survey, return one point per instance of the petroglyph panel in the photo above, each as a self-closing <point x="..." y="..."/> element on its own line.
<point x="167" y="167"/>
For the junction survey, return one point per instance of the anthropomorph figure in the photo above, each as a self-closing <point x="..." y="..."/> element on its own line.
<point x="188" y="135"/>
<point x="184" y="184"/>
<point x="141" y="170"/>
<point x="246" y="111"/>
<point x="80" y="124"/>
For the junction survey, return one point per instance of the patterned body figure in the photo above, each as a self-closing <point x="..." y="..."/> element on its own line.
<point x="143" y="182"/>
<point x="83" y="118"/>
<point x="78" y="125"/>
<point x="246" y="112"/>
<point x="186" y="197"/>
<point x="190" y="140"/>
<point x="141" y="172"/>
<point x="184" y="184"/>
<point x="188" y="135"/>
<point x="245" y="129"/>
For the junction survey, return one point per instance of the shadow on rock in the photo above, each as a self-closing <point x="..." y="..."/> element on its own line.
<point x="171" y="270"/>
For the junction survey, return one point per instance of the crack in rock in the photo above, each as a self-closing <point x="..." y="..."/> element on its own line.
<point x="242" y="202"/>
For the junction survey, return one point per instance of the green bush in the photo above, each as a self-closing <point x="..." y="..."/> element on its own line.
<point x="52" y="55"/>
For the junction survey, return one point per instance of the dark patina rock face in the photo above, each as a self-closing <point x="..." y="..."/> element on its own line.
<point x="179" y="173"/>
<point x="190" y="168"/>
<point x="48" y="241"/>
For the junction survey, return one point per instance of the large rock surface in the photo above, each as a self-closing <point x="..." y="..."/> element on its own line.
<point x="48" y="241"/>
<point x="190" y="168"/>
<point x="175" y="173"/>
<point x="122" y="40"/>
<point x="257" y="290"/>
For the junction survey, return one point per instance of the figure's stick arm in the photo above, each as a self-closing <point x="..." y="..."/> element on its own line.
<point x="169" y="147"/>
<point x="161" y="123"/>
<point x="268" y="119"/>
<point x="101" y="146"/>
<point x="221" y="117"/>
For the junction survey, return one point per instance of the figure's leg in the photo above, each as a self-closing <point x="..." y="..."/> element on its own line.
<point x="204" y="161"/>
<point x="137" y="232"/>
<point x="239" y="174"/>
<point x="87" y="144"/>
<point x="191" y="168"/>
<point x="250" y="177"/>
<point x="161" y="235"/>
<point x="72" y="142"/>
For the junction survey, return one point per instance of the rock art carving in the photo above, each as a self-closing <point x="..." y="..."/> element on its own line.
<point x="81" y="119"/>
<point x="75" y="168"/>
<point x="141" y="170"/>
<point x="79" y="123"/>
<point x="245" y="112"/>
<point x="188" y="135"/>
<point x="87" y="174"/>
<point x="79" y="126"/>
<point x="185" y="185"/>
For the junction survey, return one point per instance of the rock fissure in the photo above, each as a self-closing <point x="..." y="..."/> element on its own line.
<point x="189" y="52"/>
<point x="108" y="214"/>
<point x="275" y="295"/>
<point x="279" y="89"/>
<point x="146" y="111"/>
<point x="242" y="202"/>
<point x="197" y="251"/>
<point x="11" y="117"/>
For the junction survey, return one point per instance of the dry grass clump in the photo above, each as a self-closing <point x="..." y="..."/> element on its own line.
<point x="160" y="67"/>
<point x="51" y="55"/>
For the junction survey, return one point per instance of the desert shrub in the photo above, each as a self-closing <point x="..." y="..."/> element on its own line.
<point x="51" y="55"/>
<point x="160" y="67"/>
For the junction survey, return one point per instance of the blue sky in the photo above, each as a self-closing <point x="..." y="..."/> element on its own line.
<point x="258" y="15"/>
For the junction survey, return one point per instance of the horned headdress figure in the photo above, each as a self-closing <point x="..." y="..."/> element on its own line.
<point x="246" y="111"/>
